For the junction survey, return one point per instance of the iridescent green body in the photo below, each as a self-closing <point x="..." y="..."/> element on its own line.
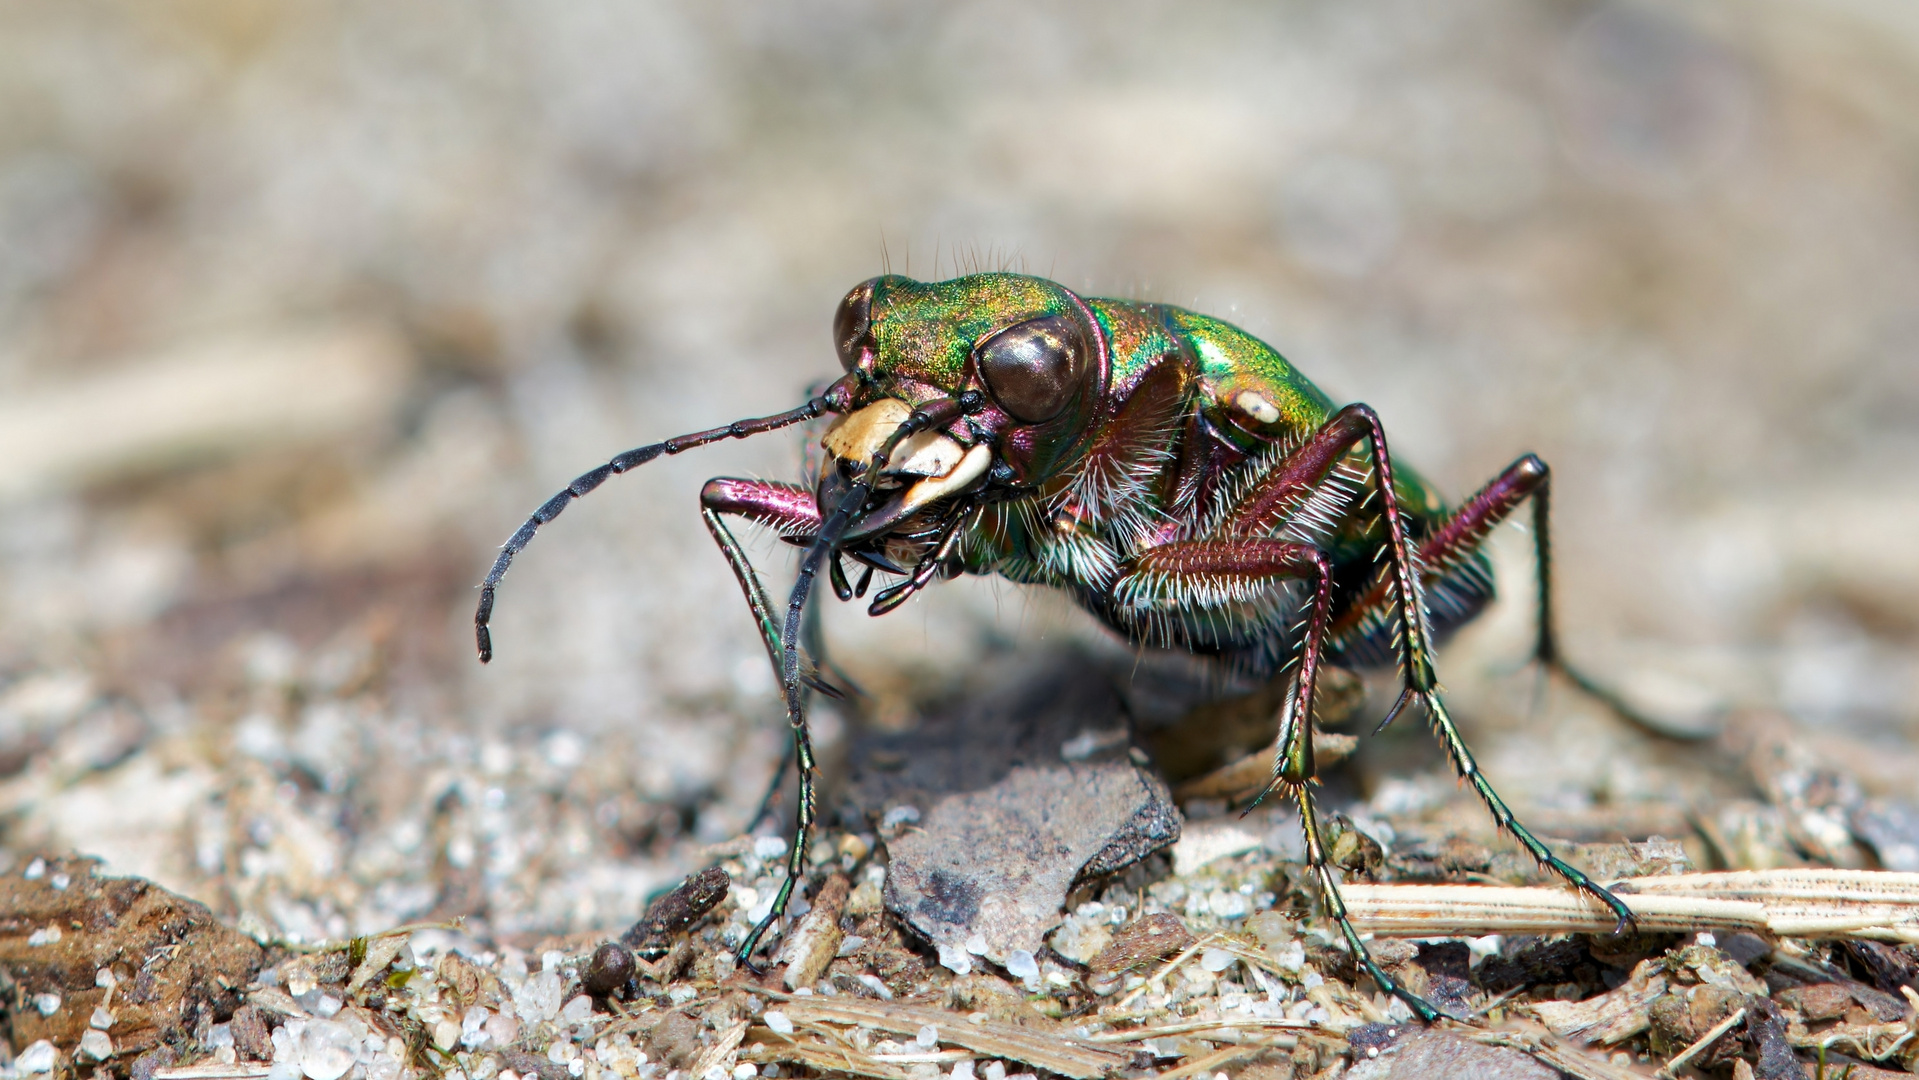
<point x="1192" y="412"/>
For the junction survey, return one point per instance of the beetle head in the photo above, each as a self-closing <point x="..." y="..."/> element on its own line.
<point x="1029" y="353"/>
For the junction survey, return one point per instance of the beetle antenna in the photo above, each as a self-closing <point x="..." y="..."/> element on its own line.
<point x="632" y="459"/>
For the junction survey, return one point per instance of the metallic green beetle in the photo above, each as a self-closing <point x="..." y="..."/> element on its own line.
<point x="1178" y="477"/>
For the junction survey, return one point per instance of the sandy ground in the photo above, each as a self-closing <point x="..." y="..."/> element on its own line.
<point x="303" y="307"/>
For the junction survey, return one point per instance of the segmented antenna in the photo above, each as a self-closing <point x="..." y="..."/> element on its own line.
<point x="586" y="482"/>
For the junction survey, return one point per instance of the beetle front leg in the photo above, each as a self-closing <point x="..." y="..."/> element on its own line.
<point x="786" y="508"/>
<point x="792" y="511"/>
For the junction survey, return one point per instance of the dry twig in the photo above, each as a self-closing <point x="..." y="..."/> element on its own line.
<point x="1053" y="1051"/>
<point x="1782" y="903"/>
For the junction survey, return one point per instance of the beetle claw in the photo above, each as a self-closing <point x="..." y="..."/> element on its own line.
<point x="824" y="687"/>
<point x="1405" y="699"/>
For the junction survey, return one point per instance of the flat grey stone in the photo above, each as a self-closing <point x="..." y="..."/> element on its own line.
<point x="1018" y="794"/>
<point x="1436" y="1055"/>
<point x="1892" y="829"/>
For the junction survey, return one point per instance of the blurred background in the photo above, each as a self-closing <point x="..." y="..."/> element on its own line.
<point x="304" y="306"/>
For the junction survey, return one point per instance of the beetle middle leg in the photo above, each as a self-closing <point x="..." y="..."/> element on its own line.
<point x="1235" y="570"/>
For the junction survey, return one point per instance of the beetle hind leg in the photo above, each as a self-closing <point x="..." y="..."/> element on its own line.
<point x="1448" y="555"/>
<point x="1446" y="550"/>
<point x="1468" y="769"/>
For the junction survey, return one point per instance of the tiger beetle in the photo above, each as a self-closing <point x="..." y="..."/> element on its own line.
<point x="1176" y="476"/>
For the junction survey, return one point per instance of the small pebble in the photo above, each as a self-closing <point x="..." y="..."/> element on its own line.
<point x="473" y="1026"/>
<point x="446" y="1035"/>
<point x="928" y="1037"/>
<point x="873" y="983"/>
<point x="778" y="1022"/>
<point x="955" y="960"/>
<point x="501" y="1030"/>
<point x="745" y="1070"/>
<point x="976" y="945"/>
<point x="900" y="815"/>
<point x="962" y="1070"/>
<point x="36" y="870"/>
<point x="850" y="944"/>
<point x="1021" y="965"/>
<point x="101" y="1019"/>
<point x="96" y="1045"/>
<point x="329" y="1049"/>
<point x="610" y="969"/>
<point x="1229" y="905"/>
<point x="1271" y="928"/>
<point x="1162" y="1047"/>
<point x="1482" y="947"/>
<point x="1217" y="960"/>
<point x="39" y="1057"/>
<point x="325" y="1006"/>
<point x="47" y="936"/>
<point x="767" y="848"/>
<point x="48" y="1004"/>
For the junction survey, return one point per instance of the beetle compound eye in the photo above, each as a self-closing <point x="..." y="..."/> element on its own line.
<point x="853" y="325"/>
<point x="1033" y="369"/>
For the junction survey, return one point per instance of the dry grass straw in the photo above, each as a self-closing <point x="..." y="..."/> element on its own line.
<point x="1803" y="903"/>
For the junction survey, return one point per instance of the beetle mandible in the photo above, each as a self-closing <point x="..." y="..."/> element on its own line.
<point x="1175" y="475"/>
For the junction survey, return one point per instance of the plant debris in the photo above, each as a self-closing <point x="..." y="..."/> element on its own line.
<point x="1178" y="988"/>
<point x="109" y="966"/>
